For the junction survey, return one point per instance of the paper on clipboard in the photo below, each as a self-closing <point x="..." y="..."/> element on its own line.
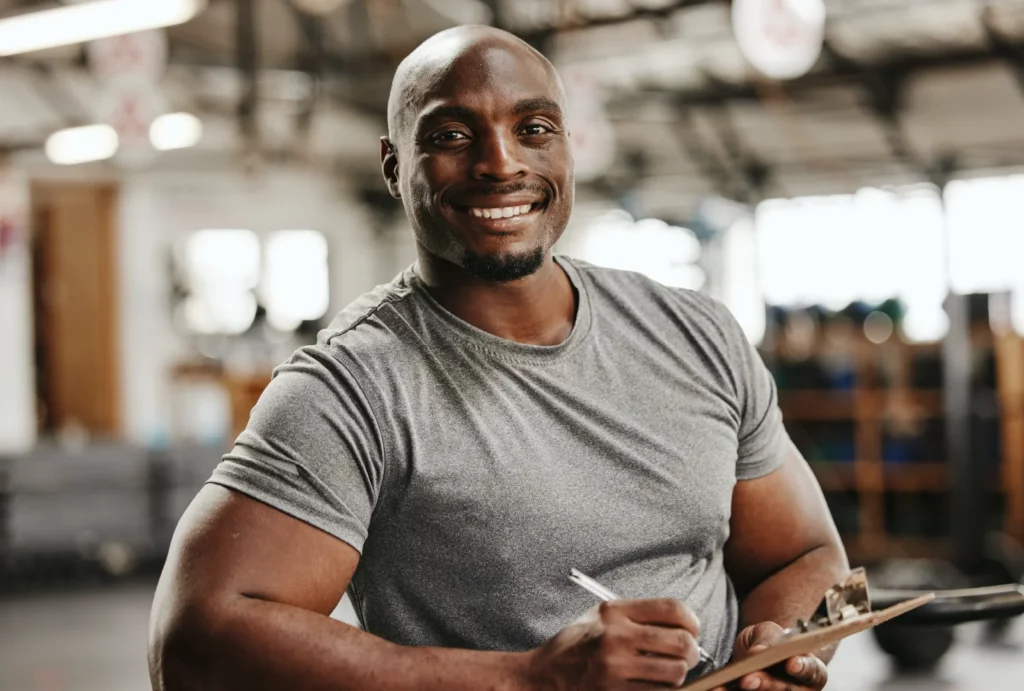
<point x="803" y="644"/>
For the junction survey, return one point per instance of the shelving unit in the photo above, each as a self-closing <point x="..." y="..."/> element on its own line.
<point x="878" y="397"/>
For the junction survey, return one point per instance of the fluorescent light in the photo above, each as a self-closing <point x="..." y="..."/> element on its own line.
<point x="82" y="144"/>
<point x="175" y="131"/>
<point x="90" y="21"/>
<point x="319" y="6"/>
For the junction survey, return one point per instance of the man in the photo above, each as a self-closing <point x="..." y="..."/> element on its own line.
<point x="461" y="438"/>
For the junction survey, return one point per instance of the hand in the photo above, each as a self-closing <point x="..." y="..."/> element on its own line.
<point x="620" y="645"/>
<point x="801" y="673"/>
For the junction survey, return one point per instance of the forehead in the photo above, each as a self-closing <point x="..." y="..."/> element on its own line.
<point x="489" y="80"/>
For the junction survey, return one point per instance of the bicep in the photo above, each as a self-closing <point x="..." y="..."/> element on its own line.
<point x="228" y="545"/>
<point x="776" y="519"/>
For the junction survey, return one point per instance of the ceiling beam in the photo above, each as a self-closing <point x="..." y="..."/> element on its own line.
<point x="583" y="21"/>
<point x="835" y="74"/>
<point x="1003" y="47"/>
<point x="247" y="57"/>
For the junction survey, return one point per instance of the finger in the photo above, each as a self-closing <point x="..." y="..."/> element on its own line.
<point x="807" y="670"/>
<point x="763" y="634"/>
<point x="670" y="642"/>
<point x="760" y="681"/>
<point x="657" y="670"/>
<point x="659" y="612"/>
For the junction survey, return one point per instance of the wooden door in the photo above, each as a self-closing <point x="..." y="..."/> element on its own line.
<point x="75" y="281"/>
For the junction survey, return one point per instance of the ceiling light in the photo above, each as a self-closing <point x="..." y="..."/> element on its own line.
<point x="90" y="21"/>
<point x="781" y="39"/>
<point x="82" y="144"/>
<point x="319" y="6"/>
<point x="175" y="131"/>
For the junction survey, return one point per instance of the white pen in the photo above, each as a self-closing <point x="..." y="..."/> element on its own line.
<point x="599" y="591"/>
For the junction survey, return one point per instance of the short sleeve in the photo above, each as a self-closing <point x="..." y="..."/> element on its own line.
<point x="761" y="436"/>
<point x="311" y="449"/>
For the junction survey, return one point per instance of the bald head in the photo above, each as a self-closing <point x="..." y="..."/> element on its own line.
<point x="478" y="152"/>
<point x="424" y="70"/>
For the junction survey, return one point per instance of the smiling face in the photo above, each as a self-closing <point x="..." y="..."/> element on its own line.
<point x="480" y="155"/>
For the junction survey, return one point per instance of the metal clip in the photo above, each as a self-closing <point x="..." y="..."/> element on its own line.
<point x="842" y="601"/>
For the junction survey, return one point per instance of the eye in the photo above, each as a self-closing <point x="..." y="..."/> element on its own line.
<point x="535" y="129"/>
<point x="449" y="137"/>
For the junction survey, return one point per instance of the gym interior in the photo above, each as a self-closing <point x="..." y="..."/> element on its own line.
<point x="190" y="190"/>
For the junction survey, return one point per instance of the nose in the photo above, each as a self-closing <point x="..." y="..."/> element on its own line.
<point x="498" y="157"/>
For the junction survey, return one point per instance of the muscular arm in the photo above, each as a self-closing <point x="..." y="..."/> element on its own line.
<point x="244" y="603"/>
<point x="784" y="551"/>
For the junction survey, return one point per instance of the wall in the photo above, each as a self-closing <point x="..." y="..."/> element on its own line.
<point x="17" y="386"/>
<point x="159" y="208"/>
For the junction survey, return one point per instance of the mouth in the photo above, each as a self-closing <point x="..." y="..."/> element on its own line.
<point x="506" y="218"/>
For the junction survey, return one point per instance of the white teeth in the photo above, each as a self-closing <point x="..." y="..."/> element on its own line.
<point x="506" y="212"/>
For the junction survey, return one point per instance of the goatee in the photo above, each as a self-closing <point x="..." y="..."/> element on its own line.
<point x="504" y="267"/>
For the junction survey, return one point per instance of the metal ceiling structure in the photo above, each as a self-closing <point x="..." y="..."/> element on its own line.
<point x="905" y="90"/>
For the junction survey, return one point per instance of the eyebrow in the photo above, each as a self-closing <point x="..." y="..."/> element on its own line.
<point x="534" y="105"/>
<point x="522" y="107"/>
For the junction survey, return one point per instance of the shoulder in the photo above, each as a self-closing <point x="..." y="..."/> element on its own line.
<point x="358" y="344"/>
<point x="633" y="290"/>
<point x="362" y="317"/>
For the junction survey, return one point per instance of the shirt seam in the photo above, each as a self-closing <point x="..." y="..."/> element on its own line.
<point x="386" y="452"/>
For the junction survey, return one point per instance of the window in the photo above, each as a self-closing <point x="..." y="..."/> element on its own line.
<point x="295" y="285"/>
<point x="221" y="269"/>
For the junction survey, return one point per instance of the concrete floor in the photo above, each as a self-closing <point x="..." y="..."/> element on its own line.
<point x="95" y="641"/>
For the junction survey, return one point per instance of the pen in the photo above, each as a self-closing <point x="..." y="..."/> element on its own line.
<point x="599" y="591"/>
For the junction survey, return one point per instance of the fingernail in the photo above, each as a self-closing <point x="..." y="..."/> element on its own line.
<point x="752" y="683"/>
<point x="797" y="666"/>
<point x="757" y="649"/>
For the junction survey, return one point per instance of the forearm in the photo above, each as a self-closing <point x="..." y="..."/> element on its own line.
<point x="795" y="591"/>
<point x="255" y="644"/>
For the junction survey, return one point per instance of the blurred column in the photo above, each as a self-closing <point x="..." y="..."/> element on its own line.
<point x="968" y="481"/>
<point x="17" y="389"/>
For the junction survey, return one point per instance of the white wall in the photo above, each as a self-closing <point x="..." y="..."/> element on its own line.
<point x="158" y="208"/>
<point x="17" y="385"/>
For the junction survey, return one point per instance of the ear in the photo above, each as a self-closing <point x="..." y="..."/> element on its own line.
<point x="389" y="166"/>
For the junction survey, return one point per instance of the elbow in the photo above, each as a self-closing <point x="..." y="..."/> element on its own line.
<point x="180" y="648"/>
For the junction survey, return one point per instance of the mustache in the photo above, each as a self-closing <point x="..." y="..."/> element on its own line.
<point x="501" y="189"/>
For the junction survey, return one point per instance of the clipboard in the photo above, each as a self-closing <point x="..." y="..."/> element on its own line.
<point x="846" y="610"/>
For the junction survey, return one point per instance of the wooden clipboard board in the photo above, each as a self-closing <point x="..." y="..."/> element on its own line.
<point x="803" y="644"/>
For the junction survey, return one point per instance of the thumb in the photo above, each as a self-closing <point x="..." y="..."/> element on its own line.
<point x="756" y="637"/>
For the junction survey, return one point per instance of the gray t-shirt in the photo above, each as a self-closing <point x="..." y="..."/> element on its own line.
<point x="473" y="472"/>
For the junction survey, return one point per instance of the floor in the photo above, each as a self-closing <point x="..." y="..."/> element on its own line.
<point x="95" y="641"/>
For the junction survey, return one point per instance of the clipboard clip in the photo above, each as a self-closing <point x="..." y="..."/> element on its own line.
<point x="842" y="602"/>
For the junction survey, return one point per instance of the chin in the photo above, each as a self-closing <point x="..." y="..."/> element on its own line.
<point x="502" y="267"/>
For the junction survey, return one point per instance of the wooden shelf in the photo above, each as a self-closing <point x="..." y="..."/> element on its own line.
<point x="864" y="550"/>
<point x="816" y="405"/>
<point x="882" y="395"/>
<point x="824" y="405"/>
<point x="894" y="477"/>
<point x="917" y="477"/>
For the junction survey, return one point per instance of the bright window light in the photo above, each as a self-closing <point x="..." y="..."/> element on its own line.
<point x="869" y="246"/>
<point x="222" y="269"/>
<point x="986" y="237"/>
<point x="667" y="254"/>
<point x="295" y="284"/>
<point x="175" y="131"/>
<point x="740" y="291"/>
<point x="1017" y="311"/>
<point x="90" y="21"/>
<point x="82" y="144"/>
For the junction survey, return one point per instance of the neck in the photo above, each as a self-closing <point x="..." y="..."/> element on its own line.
<point x="539" y="309"/>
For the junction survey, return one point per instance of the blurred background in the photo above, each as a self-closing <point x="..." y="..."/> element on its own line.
<point x="190" y="189"/>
